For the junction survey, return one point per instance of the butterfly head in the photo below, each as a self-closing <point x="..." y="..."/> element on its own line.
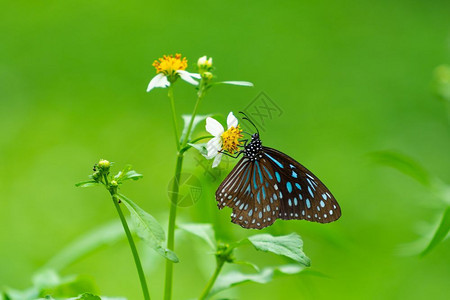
<point x="254" y="149"/>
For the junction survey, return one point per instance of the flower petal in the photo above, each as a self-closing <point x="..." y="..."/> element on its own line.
<point x="241" y="83"/>
<point x="213" y="147"/>
<point x="214" y="127"/>
<point x="217" y="160"/>
<point x="160" y="80"/>
<point x="231" y="120"/>
<point x="188" y="77"/>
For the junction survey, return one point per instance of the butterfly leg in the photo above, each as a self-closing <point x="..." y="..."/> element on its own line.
<point x="236" y="156"/>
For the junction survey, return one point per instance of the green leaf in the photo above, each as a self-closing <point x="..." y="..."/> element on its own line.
<point x="246" y="263"/>
<point x="403" y="164"/>
<point x="148" y="229"/>
<point x="203" y="231"/>
<point x="200" y="147"/>
<point x="441" y="232"/>
<point x="127" y="174"/>
<point x="88" y="296"/>
<point x="105" y="234"/>
<point x="187" y="120"/>
<point x="266" y="275"/>
<point x="87" y="183"/>
<point x="132" y="175"/>
<point x="287" y="245"/>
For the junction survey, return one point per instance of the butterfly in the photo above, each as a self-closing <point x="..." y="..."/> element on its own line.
<point x="266" y="185"/>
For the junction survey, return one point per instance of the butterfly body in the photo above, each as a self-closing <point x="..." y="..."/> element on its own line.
<point x="267" y="185"/>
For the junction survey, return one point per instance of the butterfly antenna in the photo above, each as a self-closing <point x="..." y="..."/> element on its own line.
<point x="248" y="119"/>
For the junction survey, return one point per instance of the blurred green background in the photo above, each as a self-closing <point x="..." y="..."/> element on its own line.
<point x="351" y="77"/>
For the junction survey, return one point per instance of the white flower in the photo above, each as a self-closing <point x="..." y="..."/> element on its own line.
<point x="168" y="69"/>
<point x="222" y="140"/>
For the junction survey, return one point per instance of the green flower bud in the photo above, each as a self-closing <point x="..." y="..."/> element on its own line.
<point x="104" y="165"/>
<point x="114" y="183"/>
<point x="207" y="75"/>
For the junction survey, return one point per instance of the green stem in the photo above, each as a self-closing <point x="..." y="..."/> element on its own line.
<point x="174" y="117"/>
<point x="213" y="279"/>
<point x="201" y="94"/>
<point x="137" y="261"/>
<point x="171" y="229"/>
<point x="175" y="187"/>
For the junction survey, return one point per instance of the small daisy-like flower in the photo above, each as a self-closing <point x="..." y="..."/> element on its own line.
<point x="168" y="69"/>
<point x="223" y="140"/>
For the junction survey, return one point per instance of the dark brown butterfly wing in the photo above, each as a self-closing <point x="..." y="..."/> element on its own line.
<point x="275" y="186"/>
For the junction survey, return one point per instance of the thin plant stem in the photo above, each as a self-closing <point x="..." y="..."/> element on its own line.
<point x="212" y="280"/>
<point x="174" y="196"/>
<point x="174" y="117"/>
<point x="171" y="229"/>
<point x="201" y="94"/>
<point x="137" y="261"/>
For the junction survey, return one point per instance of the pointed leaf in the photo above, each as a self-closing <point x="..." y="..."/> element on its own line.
<point x="148" y="229"/>
<point x="235" y="278"/>
<point x="287" y="245"/>
<point x="203" y="231"/>
<point x="87" y="183"/>
<point x="240" y="83"/>
<point x="441" y="232"/>
<point x="201" y="148"/>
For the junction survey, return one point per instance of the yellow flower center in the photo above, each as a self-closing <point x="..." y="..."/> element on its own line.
<point x="168" y="64"/>
<point x="230" y="139"/>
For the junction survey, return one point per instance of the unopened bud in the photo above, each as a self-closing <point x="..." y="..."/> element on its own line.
<point x="104" y="165"/>
<point x="204" y="63"/>
<point x="207" y="75"/>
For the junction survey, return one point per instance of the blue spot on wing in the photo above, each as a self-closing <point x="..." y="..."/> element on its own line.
<point x="298" y="186"/>
<point x="308" y="203"/>
<point x="289" y="187"/>
<point x="277" y="175"/>
<point x="274" y="160"/>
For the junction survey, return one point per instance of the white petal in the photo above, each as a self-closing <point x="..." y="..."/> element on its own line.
<point x="241" y="83"/>
<point x="231" y="120"/>
<point x="201" y="60"/>
<point x="214" y="127"/>
<point x="213" y="147"/>
<point x="217" y="160"/>
<point x="186" y="76"/>
<point x="160" y="80"/>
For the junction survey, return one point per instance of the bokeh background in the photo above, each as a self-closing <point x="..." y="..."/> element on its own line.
<point x="351" y="77"/>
